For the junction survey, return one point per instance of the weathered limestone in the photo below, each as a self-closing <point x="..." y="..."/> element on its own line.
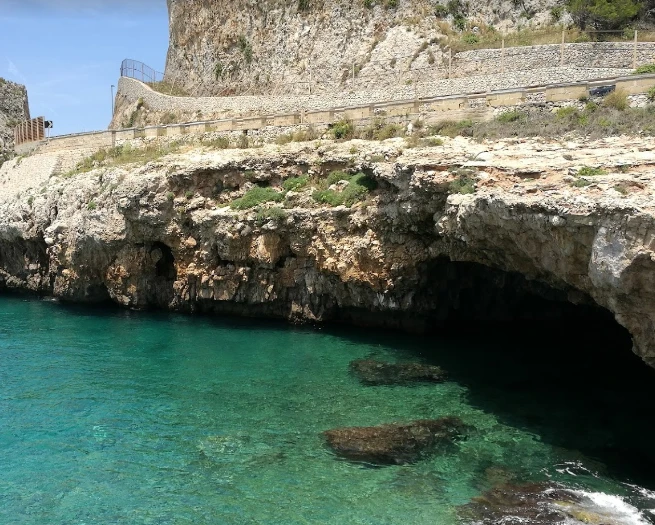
<point x="14" y="108"/>
<point x="163" y="235"/>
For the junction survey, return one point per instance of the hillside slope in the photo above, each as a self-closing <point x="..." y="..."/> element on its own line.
<point x="248" y="46"/>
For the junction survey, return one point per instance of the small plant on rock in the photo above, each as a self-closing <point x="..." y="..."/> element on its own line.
<point x="295" y="183"/>
<point x="588" y="171"/>
<point x="276" y="213"/>
<point x="464" y="182"/>
<point x="256" y="196"/>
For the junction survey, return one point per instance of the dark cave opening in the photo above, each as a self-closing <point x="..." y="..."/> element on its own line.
<point x="565" y="372"/>
<point x="165" y="265"/>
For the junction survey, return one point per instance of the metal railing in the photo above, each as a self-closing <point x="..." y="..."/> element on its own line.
<point x="140" y="71"/>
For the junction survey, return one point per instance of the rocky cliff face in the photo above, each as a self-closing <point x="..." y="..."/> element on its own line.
<point x="276" y="46"/>
<point x="13" y="109"/>
<point x="412" y="253"/>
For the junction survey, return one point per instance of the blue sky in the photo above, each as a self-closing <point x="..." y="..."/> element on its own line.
<point x="68" y="53"/>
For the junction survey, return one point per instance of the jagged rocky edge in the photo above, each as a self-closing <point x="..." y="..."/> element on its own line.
<point x="116" y="235"/>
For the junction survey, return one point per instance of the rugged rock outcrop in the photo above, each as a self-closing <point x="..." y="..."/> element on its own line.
<point x="412" y="253"/>
<point x="248" y="46"/>
<point x="13" y="109"/>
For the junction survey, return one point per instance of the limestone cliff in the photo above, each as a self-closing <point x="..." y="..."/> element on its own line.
<point x="13" y="109"/>
<point x="411" y="252"/>
<point x="276" y="46"/>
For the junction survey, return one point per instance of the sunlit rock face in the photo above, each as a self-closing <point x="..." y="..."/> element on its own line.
<point x="276" y="46"/>
<point x="224" y="232"/>
<point x="14" y="108"/>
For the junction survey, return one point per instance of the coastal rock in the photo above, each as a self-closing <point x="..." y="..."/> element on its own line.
<point x="394" y="444"/>
<point x="371" y="372"/>
<point x="547" y="504"/>
<point x="412" y="255"/>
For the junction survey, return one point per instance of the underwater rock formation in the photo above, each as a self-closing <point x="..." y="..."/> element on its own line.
<point x="394" y="444"/>
<point x="371" y="372"/>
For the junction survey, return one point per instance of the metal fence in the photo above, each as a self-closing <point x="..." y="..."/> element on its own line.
<point x="29" y="131"/>
<point x="140" y="71"/>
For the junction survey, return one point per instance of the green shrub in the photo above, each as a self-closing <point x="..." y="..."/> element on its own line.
<point x="336" y="176"/>
<point x="449" y="128"/>
<point x="471" y="38"/>
<point x="588" y="171"/>
<point x="513" y="115"/>
<point x="617" y="99"/>
<point x="651" y="94"/>
<point x="91" y="206"/>
<point x="170" y="196"/>
<point x="276" y="213"/>
<point x="303" y="5"/>
<point x="603" y="14"/>
<point x="566" y="112"/>
<point x="295" y="183"/>
<point x="645" y="69"/>
<point x="217" y="143"/>
<point x="590" y="107"/>
<point x="256" y="196"/>
<point x="189" y="195"/>
<point x="464" y="182"/>
<point x="246" y="48"/>
<point x="359" y="186"/>
<point x="361" y="179"/>
<point x="343" y="129"/>
<point x="580" y="183"/>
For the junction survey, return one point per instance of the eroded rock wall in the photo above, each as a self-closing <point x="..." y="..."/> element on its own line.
<point x="413" y="253"/>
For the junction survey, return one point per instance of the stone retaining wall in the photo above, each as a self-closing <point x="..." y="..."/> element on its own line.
<point x="590" y="55"/>
<point x="69" y="150"/>
<point x="132" y="93"/>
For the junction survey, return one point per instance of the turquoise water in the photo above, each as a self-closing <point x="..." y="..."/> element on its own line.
<point x="116" y="417"/>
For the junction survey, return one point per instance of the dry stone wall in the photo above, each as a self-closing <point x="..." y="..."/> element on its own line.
<point x="590" y="55"/>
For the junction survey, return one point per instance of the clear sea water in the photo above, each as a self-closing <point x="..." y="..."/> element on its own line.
<point x="112" y="417"/>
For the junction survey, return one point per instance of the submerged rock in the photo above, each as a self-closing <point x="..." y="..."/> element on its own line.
<point x="547" y="504"/>
<point x="394" y="444"/>
<point x="371" y="372"/>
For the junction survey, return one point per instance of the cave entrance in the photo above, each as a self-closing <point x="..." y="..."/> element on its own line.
<point x="165" y="265"/>
<point x="524" y="352"/>
<point x="564" y="371"/>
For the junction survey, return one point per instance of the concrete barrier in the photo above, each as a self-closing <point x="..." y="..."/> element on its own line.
<point x="567" y="92"/>
<point x="475" y="106"/>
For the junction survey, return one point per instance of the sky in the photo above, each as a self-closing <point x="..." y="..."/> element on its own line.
<point x="68" y="53"/>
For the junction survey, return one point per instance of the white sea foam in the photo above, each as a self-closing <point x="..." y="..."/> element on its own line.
<point x="615" y="509"/>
